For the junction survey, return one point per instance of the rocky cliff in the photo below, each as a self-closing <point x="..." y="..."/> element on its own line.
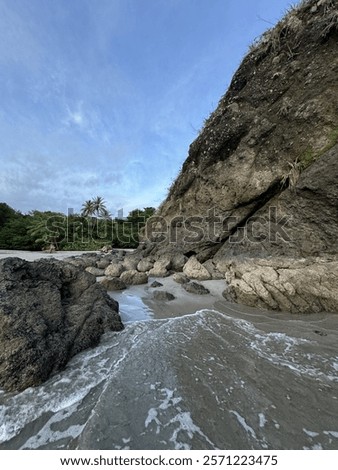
<point x="261" y="180"/>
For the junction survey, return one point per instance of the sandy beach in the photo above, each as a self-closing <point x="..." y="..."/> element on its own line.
<point x="34" y="255"/>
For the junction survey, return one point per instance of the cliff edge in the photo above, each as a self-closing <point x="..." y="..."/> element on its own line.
<point x="261" y="179"/>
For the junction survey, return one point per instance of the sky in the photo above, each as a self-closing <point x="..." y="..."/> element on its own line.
<point x="104" y="97"/>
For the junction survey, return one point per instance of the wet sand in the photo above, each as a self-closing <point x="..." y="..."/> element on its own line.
<point x="34" y="255"/>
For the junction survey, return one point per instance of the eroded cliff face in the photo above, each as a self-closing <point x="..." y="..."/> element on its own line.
<point x="262" y="177"/>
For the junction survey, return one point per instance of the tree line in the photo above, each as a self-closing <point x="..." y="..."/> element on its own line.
<point x="91" y="229"/>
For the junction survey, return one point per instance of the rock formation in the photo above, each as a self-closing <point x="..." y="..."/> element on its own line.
<point x="49" y="311"/>
<point x="261" y="179"/>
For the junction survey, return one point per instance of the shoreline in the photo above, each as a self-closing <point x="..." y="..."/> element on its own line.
<point x="35" y="255"/>
<point x="184" y="302"/>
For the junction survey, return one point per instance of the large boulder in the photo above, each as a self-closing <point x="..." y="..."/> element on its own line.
<point x="195" y="270"/>
<point x="49" y="311"/>
<point x="212" y="270"/>
<point x="160" y="268"/>
<point x="115" y="269"/>
<point x="103" y="263"/>
<point x="113" y="283"/>
<point x="297" y="286"/>
<point x="131" y="261"/>
<point x="145" y="265"/>
<point x="133" y="277"/>
<point x="177" y="261"/>
<point x="95" y="271"/>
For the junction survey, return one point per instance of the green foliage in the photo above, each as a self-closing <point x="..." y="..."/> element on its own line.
<point x="38" y="230"/>
<point x="6" y="213"/>
<point x="46" y="228"/>
<point x="307" y="158"/>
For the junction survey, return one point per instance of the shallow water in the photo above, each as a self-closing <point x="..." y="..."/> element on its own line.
<point x="227" y="378"/>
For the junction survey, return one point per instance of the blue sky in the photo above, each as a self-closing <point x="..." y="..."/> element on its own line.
<point x="103" y="97"/>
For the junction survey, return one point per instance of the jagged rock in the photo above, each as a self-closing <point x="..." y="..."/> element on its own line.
<point x="163" y="295"/>
<point x="115" y="269"/>
<point x="113" y="283"/>
<point x="145" y="265"/>
<point x="174" y="260"/>
<point x="49" y="311"/>
<point x="95" y="271"/>
<point x="195" y="288"/>
<point x="297" y="286"/>
<point x="103" y="263"/>
<point x="156" y="284"/>
<point x="212" y="269"/>
<point x="195" y="270"/>
<point x="180" y="278"/>
<point x="131" y="261"/>
<point x="160" y="268"/>
<point x="133" y="277"/>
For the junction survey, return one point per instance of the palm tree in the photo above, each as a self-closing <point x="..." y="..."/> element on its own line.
<point x="95" y="209"/>
<point x="88" y="208"/>
<point x="99" y="206"/>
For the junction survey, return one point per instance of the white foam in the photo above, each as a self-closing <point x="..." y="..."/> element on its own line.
<point x="331" y="433"/>
<point x="310" y="433"/>
<point x="244" y="424"/>
<point x="189" y="428"/>
<point x="47" y="435"/>
<point x="262" y="420"/>
<point x="152" y="416"/>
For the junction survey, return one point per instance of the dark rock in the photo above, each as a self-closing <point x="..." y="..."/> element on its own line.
<point x="195" y="288"/>
<point x="156" y="284"/>
<point x="163" y="295"/>
<point x="320" y="333"/>
<point x="113" y="283"/>
<point x="49" y="311"/>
